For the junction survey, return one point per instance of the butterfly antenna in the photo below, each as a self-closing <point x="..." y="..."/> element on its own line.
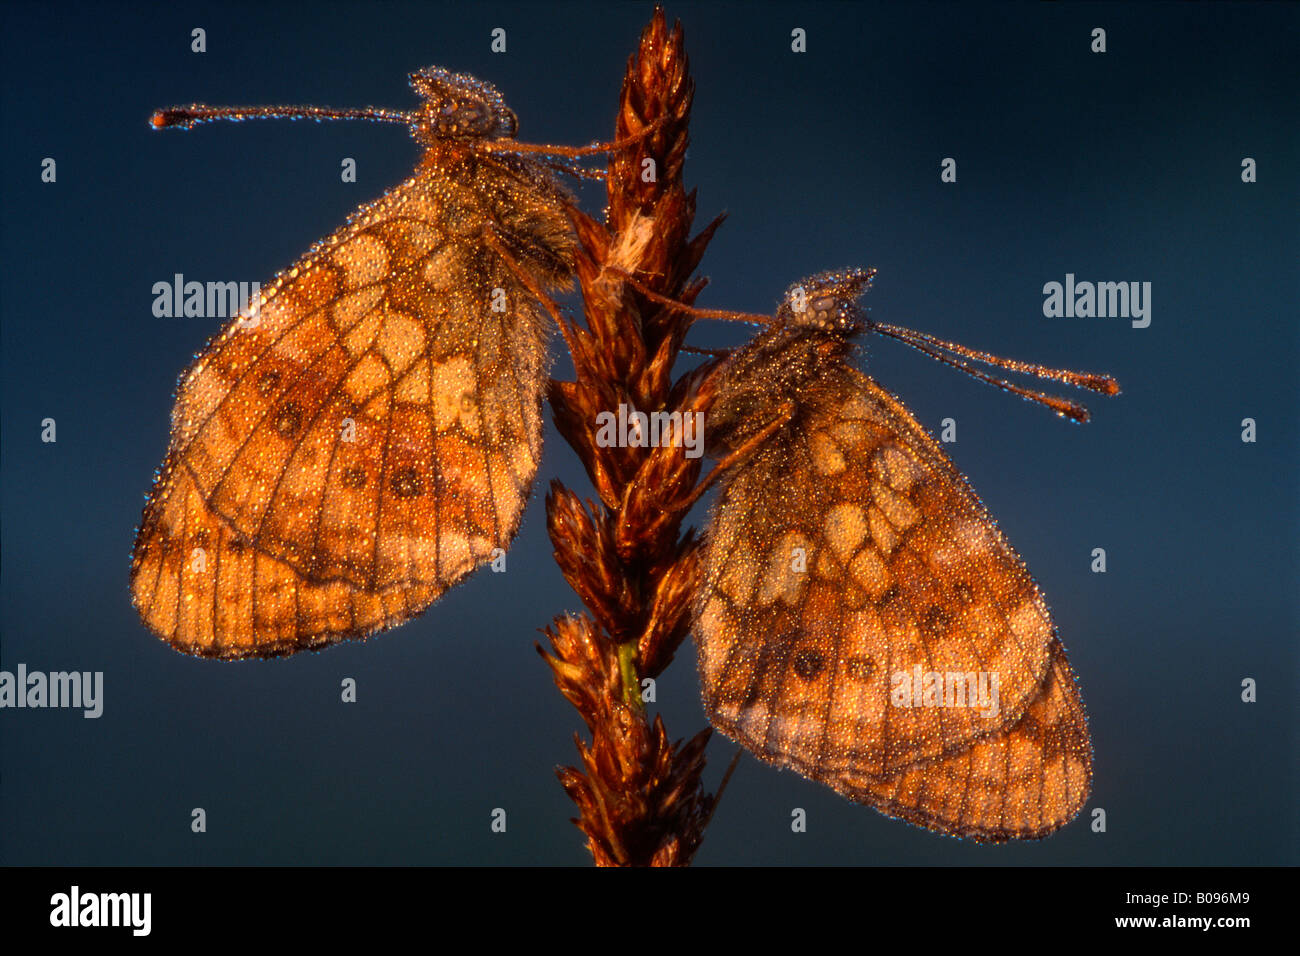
<point x="1097" y="383"/>
<point x="1063" y="407"/>
<point x="186" y="117"/>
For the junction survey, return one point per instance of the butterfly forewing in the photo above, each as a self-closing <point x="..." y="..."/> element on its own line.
<point x="369" y="435"/>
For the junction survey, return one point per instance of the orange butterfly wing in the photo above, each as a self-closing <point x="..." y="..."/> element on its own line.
<point x="1021" y="783"/>
<point x="845" y="553"/>
<point x="369" y="436"/>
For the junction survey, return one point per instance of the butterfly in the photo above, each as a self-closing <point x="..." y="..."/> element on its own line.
<point x="850" y="571"/>
<point x="366" y="434"/>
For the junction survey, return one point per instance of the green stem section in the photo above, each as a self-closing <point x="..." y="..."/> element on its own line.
<point x="627" y="670"/>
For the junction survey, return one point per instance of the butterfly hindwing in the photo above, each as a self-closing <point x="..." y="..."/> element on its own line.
<point x="1022" y="783"/>
<point x="846" y="551"/>
<point x="861" y="620"/>
<point x="201" y="587"/>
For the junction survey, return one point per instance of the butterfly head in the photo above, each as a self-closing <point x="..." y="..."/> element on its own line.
<point x="827" y="301"/>
<point x="458" y="106"/>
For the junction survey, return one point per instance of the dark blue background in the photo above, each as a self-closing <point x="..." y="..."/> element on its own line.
<point x="1123" y="166"/>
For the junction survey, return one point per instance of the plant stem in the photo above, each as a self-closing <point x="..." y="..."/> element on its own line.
<point x="639" y="796"/>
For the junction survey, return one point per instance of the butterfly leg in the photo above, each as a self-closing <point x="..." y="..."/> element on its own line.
<point x="576" y="171"/>
<point x="698" y="313"/>
<point x="739" y="454"/>
<point x="714" y="353"/>
<point x="510" y="146"/>
<point x="494" y="241"/>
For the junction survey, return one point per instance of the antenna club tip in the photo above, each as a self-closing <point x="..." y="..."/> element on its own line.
<point x="162" y="119"/>
<point x="1098" y="383"/>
